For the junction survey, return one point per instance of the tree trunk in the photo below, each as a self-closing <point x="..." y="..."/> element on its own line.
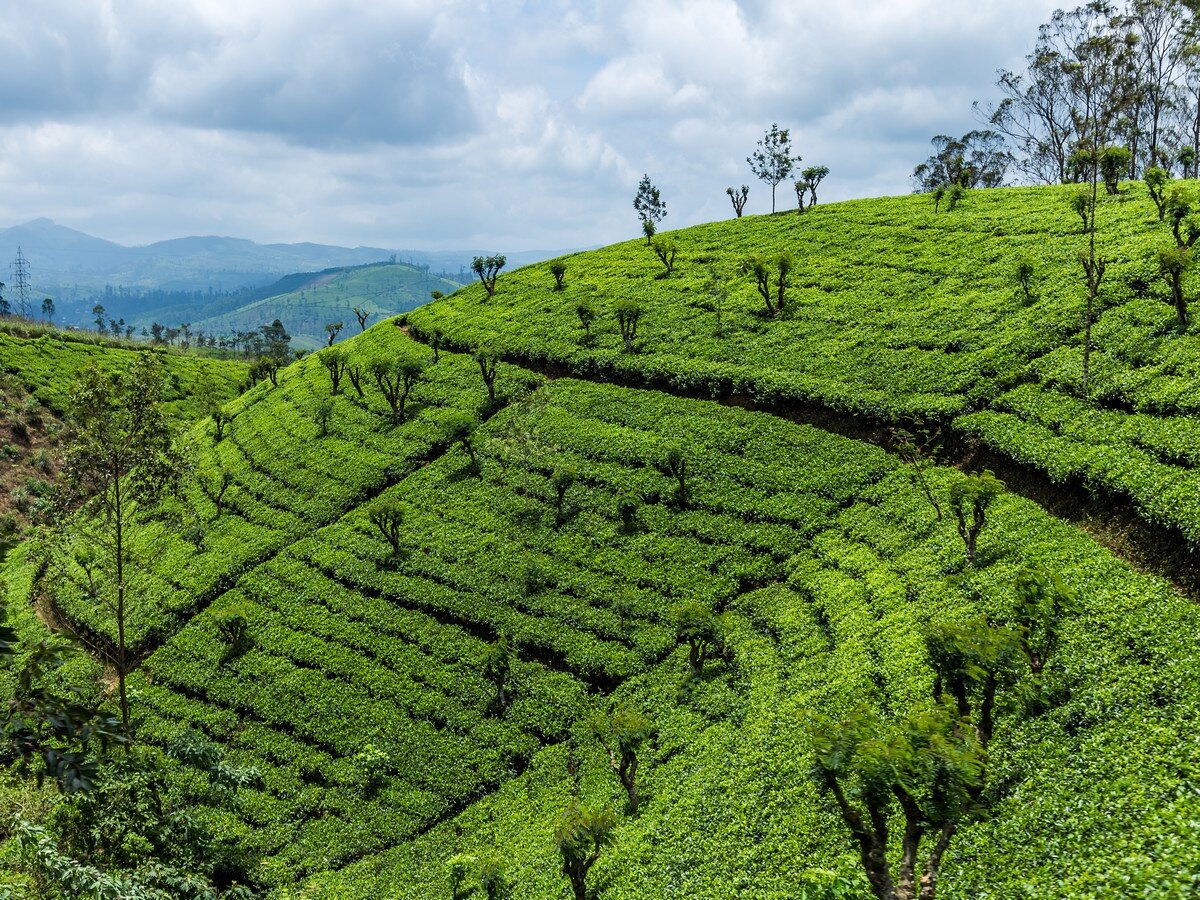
<point x="122" y="665"/>
<point x="628" y="775"/>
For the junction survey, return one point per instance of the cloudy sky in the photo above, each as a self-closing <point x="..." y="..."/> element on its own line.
<point x="439" y="124"/>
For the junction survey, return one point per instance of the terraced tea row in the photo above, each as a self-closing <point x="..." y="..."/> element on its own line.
<point x="894" y="313"/>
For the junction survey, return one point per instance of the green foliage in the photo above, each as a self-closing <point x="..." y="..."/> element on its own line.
<point x="396" y="379"/>
<point x="970" y="498"/>
<point x="1173" y="264"/>
<point x="622" y="735"/>
<point x="487" y="268"/>
<point x="629" y="314"/>
<point x="580" y="835"/>
<point x="388" y="518"/>
<point x="558" y="270"/>
<point x="1157" y="179"/>
<point x="1114" y="162"/>
<point x="704" y="633"/>
<point x="650" y="207"/>
<point x="665" y="249"/>
<point x="323" y="413"/>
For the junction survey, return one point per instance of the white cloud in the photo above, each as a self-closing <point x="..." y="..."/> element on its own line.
<point x="481" y="123"/>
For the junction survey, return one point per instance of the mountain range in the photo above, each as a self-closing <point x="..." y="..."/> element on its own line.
<point x="66" y="263"/>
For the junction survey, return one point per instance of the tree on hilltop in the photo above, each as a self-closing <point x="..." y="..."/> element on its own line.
<point x="650" y="207"/>
<point x="738" y="198"/>
<point x="773" y="162"/>
<point x="488" y="269"/>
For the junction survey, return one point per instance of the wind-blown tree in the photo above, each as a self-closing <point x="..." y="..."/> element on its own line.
<point x="581" y="834"/>
<point x="650" y="207"/>
<point x="977" y="159"/>
<point x="396" y="379"/>
<point x="362" y="315"/>
<point x="629" y="314"/>
<point x="332" y="330"/>
<point x="622" y="735"/>
<point x="488" y="269"/>
<point x="120" y="462"/>
<point x="772" y="162"/>
<point x="738" y="198"/>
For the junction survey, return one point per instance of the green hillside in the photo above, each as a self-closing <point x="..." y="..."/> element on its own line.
<point x="36" y="375"/>
<point x="604" y="497"/>
<point x="897" y="313"/>
<point x="383" y="289"/>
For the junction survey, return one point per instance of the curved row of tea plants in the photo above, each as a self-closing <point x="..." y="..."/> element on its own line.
<point x="896" y="313"/>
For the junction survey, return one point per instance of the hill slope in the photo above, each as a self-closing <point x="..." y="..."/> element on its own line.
<point x="313" y="299"/>
<point x="362" y="694"/>
<point x="896" y="314"/>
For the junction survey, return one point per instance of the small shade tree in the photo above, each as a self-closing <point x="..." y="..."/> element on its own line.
<point x="221" y="420"/>
<point x="488" y="358"/>
<point x="355" y="372"/>
<point x="488" y="269"/>
<point x="629" y="314"/>
<point x="761" y="270"/>
<point x="622" y="735"/>
<point x="1114" y="161"/>
<point x="812" y="178"/>
<point x="362" y="315"/>
<point x="559" y="271"/>
<point x="650" y="207"/>
<point x="562" y="481"/>
<point x="396" y="379"/>
<point x="586" y="314"/>
<point x="388" y="518"/>
<point x="497" y="668"/>
<point x="1173" y="264"/>
<point x="460" y="429"/>
<point x="970" y="498"/>
<point x="704" y="633"/>
<point x="1157" y="179"/>
<point x="738" y="198"/>
<point x="332" y="330"/>
<point x="666" y="249"/>
<point x="581" y="835"/>
<point x="335" y="360"/>
<point x="322" y="414"/>
<point x="674" y="464"/>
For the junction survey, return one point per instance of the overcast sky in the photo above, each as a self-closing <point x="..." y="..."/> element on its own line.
<point x="439" y="124"/>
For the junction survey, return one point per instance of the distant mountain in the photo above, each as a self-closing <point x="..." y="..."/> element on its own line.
<point x="64" y="262"/>
<point x="70" y="265"/>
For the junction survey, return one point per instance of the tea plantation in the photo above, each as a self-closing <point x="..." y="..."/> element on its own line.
<point x="410" y="617"/>
<point x="897" y="313"/>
